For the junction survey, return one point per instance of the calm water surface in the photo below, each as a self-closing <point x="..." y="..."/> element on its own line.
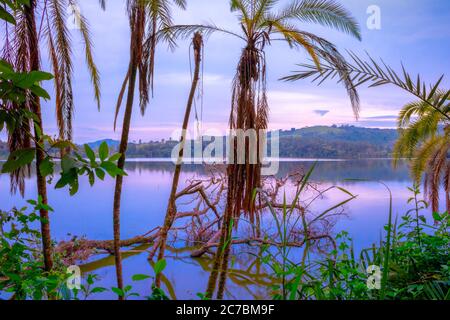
<point x="145" y="194"/>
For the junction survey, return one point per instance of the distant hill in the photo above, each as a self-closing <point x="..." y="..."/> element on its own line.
<point x="345" y="133"/>
<point x="337" y="142"/>
<point x="111" y="143"/>
<point x="345" y="142"/>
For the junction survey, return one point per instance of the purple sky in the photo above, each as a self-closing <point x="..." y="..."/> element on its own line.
<point x="415" y="32"/>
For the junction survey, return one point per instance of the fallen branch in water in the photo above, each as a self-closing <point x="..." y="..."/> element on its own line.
<point x="199" y="227"/>
<point x="81" y="249"/>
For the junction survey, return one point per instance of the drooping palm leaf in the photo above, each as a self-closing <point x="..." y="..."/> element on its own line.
<point x="376" y="74"/>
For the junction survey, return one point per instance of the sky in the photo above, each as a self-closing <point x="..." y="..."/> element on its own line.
<point x="413" y="32"/>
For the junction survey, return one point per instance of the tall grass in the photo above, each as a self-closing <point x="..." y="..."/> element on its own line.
<point x="414" y="257"/>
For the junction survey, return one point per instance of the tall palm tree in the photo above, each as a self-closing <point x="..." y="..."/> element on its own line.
<point x="425" y="140"/>
<point x="197" y="46"/>
<point x="45" y="20"/>
<point x="146" y="17"/>
<point x="261" y="26"/>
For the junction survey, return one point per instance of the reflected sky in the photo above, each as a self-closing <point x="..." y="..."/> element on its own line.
<point x="145" y="194"/>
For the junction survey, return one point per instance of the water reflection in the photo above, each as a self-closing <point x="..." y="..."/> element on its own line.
<point x="146" y="190"/>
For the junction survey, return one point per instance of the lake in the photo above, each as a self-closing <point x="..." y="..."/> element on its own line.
<point x="144" y="200"/>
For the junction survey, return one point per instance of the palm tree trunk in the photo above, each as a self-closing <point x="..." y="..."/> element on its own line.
<point x="218" y="257"/>
<point x="224" y="264"/>
<point x="121" y="164"/>
<point x="171" y="207"/>
<point x="36" y="108"/>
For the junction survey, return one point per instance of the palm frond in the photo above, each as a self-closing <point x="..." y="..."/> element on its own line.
<point x="262" y="10"/>
<point x="86" y="36"/>
<point x="293" y="36"/>
<point x="422" y="156"/>
<point x="120" y="98"/>
<point x="410" y="138"/>
<point x="330" y="57"/>
<point x="328" y="13"/>
<point x="57" y="28"/>
<point x="187" y="31"/>
<point x="436" y="166"/>
<point x="371" y="72"/>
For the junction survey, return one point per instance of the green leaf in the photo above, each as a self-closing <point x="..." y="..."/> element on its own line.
<point x="140" y="277"/>
<point x="67" y="178"/>
<point x="118" y="291"/>
<point x="5" y="15"/>
<point x="46" y="167"/>
<point x="112" y="169"/>
<point x="37" y="90"/>
<point x="159" y="266"/>
<point x="24" y="2"/>
<point x="100" y="173"/>
<point x="63" y="144"/>
<point x="5" y="67"/>
<point x="98" y="290"/>
<point x="115" y="157"/>
<point x="18" y="159"/>
<point x="89" y="153"/>
<point x="91" y="178"/>
<point x="103" y="151"/>
<point x="437" y="216"/>
<point x="74" y="186"/>
<point x="90" y="279"/>
<point x="67" y="163"/>
<point x="34" y="77"/>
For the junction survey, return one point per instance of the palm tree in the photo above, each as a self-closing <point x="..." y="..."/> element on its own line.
<point x="197" y="44"/>
<point x="45" y="21"/>
<point x="262" y="25"/>
<point x="425" y="141"/>
<point x="423" y="124"/>
<point x="145" y="17"/>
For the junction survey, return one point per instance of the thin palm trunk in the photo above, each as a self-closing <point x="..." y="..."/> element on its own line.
<point x="121" y="164"/>
<point x="225" y="258"/>
<point x="171" y="207"/>
<point x="220" y="252"/>
<point x="36" y="108"/>
<point x="248" y="113"/>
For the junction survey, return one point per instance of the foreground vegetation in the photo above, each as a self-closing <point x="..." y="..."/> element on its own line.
<point x="410" y="262"/>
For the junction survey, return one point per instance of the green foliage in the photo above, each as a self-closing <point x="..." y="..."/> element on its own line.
<point x="19" y="158"/>
<point x="88" y="289"/>
<point x="73" y="165"/>
<point x="294" y="278"/>
<point x="159" y="266"/>
<point x="125" y="292"/>
<point x="414" y="258"/>
<point x="21" y="273"/>
<point x="15" y="85"/>
<point x="12" y="5"/>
